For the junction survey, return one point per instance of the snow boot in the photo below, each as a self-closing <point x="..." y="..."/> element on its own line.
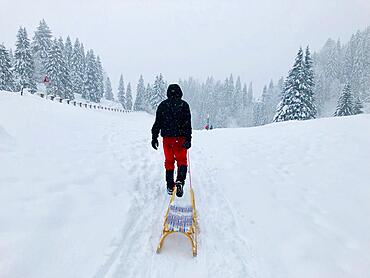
<point x="179" y="189"/>
<point x="180" y="181"/>
<point x="170" y="182"/>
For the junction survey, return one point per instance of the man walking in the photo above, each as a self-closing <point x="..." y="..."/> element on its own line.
<point x="173" y="121"/>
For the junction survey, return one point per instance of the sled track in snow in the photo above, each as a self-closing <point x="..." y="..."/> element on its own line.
<point x="129" y="255"/>
<point x="133" y="253"/>
<point x="222" y="243"/>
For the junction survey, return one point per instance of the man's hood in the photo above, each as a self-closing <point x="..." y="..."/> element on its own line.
<point x="174" y="91"/>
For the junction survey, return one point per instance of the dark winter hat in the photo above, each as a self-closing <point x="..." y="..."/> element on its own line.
<point x="174" y="90"/>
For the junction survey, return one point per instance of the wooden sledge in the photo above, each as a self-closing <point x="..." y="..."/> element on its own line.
<point x="181" y="220"/>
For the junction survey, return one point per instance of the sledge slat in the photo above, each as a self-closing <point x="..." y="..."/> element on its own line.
<point x="180" y="220"/>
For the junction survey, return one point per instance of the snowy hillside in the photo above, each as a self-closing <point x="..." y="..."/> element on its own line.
<point x="82" y="195"/>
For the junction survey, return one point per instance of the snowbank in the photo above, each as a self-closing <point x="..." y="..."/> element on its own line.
<point x="299" y="192"/>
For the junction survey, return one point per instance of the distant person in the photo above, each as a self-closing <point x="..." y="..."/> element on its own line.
<point x="206" y="126"/>
<point x="211" y="127"/>
<point x="173" y="121"/>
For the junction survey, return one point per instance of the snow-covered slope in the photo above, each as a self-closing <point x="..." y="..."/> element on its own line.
<point x="82" y="195"/>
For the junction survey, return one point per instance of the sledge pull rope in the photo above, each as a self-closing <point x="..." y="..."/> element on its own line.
<point x="189" y="171"/>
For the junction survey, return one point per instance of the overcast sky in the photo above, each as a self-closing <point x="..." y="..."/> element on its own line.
<point x="256" y="39"/>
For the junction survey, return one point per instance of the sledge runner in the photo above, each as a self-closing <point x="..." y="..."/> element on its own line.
<point x="173" y="122"/>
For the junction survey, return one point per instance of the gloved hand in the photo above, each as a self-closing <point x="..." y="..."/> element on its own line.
<point x="155" y="144"/>
<point x="187" y="144"/>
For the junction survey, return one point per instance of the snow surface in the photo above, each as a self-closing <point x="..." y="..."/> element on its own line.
<point x="82" y="195"/>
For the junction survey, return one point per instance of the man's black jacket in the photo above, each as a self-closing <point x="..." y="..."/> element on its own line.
<point x="173" y="118"/>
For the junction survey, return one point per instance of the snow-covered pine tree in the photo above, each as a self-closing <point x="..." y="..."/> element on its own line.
<point x="53" y="69"/>
<point x="271" y="88"/>
<point x="121" y="92"/>
<point x="41" y="44"/>
<point x="365" y="97"/>
<point x="250" y="93"/>
<point x="148" y="95"/>
<point x="354" y="66"/>
<point x="140" y="104"/>
<point x="331" y="60"/>
<point x="11" y="57"/>
<point x="357" y="106"/>
<point x="77" y="68"/>
<point x="248" y="105"/>
<point x="295" y="103"/>
<point x="91" y="89"/>
<point x="158" y="92"/>
<point x="83" y="55"/>
<point x="223" y="97"/>
<point x="200" y="100"/>
<point x="227" y="100"/>
<point x="214" y="103"/>
<point x="23" y="65"/>
<point x="61" y="45"/>
<point x="328" y="72"/>
<point x="280" y="86"/>
<point x="211" y="102"/>
<point x="230" y="94"/>
<point x="345" y="103"/>
<point x="309" y="85"/>
<point x="68" y="53"/>
<point x="265" y="96"/>
<point x="237" y="99"/>
<point x="60" y="82"/>
<point x="275" y="92"/>
<point x="6" y="74"/>
<point x="245" y="95"/>
<point x="108" y="90"/>
<point x="67" y="81"/>
<point x="128" y="97"/>
<point x="259" y="113"/>
<point x="100" y="73"/>
<point x="243" y="110"/>
<point x="267" y="100"/>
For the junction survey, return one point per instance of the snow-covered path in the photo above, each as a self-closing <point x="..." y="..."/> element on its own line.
<point x="82" y="195"/>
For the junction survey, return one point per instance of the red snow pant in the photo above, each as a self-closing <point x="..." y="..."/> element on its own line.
<point x="174" y="150"/>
